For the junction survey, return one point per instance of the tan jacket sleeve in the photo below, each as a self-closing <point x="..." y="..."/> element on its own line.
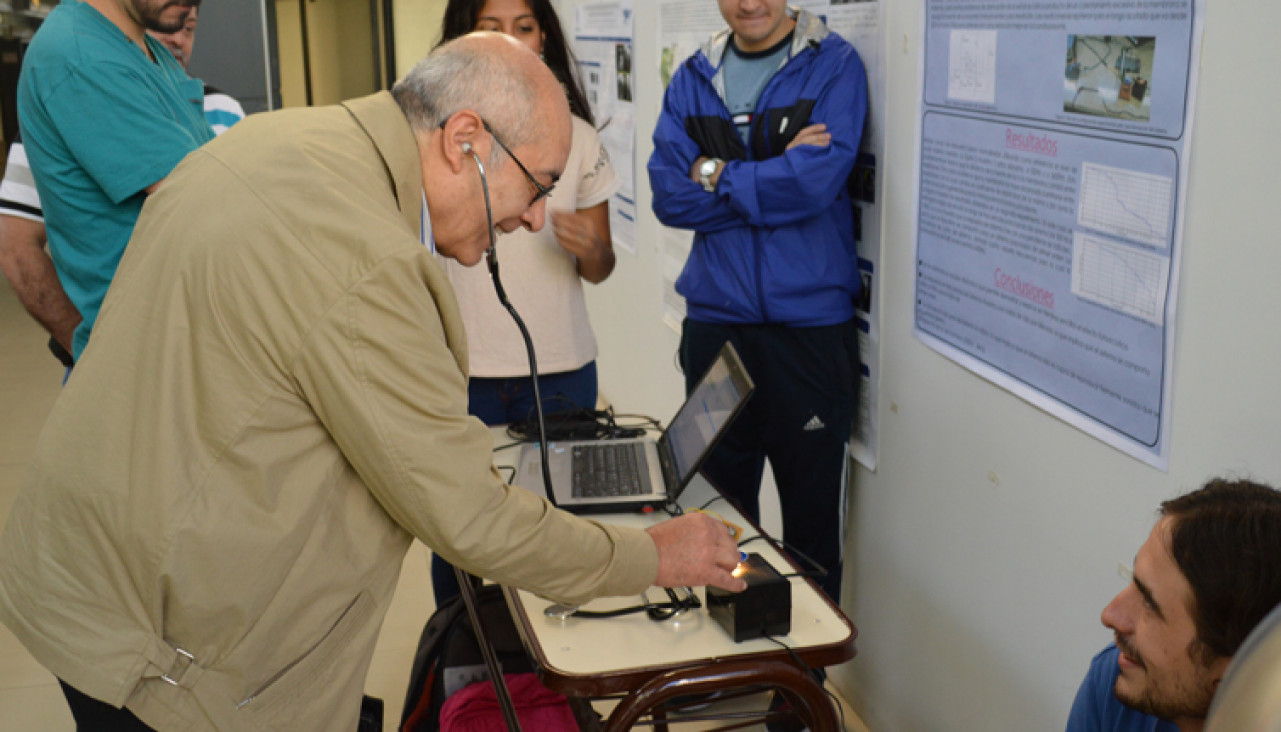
<point x="379" y="372"/>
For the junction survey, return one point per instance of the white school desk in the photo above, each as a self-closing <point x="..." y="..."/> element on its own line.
<point x="653" y="662"/>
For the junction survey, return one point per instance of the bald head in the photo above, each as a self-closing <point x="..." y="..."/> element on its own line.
<point x="485" y="96"/>
<point x="491" y="74"/>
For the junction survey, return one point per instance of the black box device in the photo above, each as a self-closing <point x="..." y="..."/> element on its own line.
<point x="764" y="608"/>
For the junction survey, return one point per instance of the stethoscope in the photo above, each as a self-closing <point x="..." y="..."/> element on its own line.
<point x="491" y="260"/>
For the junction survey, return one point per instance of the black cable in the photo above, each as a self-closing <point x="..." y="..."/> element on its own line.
<point x="647" y="422"/>
<point x="657" y="611"/>
<point x="570" y="406"/>
<point x="819" y="570"/>
<point x="713" y="500"/>
<point x="792" y="652"/>
<point x="577" y="424"/>
<point x="491" y="257"/>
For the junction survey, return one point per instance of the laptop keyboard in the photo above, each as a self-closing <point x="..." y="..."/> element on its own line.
<point x="610" y="470"/>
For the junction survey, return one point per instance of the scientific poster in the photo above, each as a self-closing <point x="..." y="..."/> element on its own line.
<point x="1053" y="140"/>
<point x="683" y="27"/>
<point x="603" y="46"/>
<point x="859" y="22"/>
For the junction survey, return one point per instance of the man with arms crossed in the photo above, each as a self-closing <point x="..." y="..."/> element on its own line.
<point x="216" y="513"/>
<point x="757" y="137"/>
<point x="1208" y="573"/>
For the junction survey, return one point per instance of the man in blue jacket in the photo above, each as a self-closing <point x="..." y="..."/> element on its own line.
<point x="757" y="137"/>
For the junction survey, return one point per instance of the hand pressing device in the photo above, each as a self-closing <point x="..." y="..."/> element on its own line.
<point x="763" y="609"/>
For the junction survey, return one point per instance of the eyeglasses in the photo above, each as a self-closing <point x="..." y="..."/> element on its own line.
<point x="543" y="191"/>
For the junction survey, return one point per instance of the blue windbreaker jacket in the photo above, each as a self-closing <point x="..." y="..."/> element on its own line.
<point x="775" y="242"/>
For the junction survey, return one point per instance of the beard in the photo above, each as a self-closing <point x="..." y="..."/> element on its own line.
<point x="1168" y="699"/>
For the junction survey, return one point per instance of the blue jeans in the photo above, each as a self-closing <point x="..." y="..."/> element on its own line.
<point x="507" y="400"/>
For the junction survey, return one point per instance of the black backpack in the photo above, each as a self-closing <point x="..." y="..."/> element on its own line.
<point x="449" y="658"/>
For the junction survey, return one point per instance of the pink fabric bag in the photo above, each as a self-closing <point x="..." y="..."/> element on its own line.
<point x="475" y="708"/>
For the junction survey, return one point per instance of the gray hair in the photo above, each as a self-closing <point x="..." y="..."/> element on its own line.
<point x="457" y="76"/>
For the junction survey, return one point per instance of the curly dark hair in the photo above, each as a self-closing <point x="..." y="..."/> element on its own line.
<point x="1226" y="539"/>
<point x="460" y="19"/>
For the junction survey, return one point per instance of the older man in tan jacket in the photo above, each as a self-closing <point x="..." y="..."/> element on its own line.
<point x="274" y="405"/>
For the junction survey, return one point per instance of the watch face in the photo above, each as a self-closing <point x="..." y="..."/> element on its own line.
<point x="707" y="168"/>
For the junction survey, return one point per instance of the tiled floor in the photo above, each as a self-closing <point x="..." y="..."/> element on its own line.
<point x="30" y="380"/>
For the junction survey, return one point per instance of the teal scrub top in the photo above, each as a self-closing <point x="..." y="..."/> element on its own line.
<point x="101" y="122"/>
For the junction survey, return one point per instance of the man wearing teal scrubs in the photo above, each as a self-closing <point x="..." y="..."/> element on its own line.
<point x="106" y="113"/>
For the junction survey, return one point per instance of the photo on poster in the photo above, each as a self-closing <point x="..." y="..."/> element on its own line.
<point x="865" y="299"/>
<point x="1109" y="76"/>
<point x="667" y="64"/>
<point x="623" y="71"/>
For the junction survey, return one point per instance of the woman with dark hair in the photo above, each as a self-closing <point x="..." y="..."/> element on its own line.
<point x="532" y="22"/>
<point x="543" y="270"/>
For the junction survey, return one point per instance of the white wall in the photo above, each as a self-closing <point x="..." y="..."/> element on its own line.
<point x="977" y="600"/>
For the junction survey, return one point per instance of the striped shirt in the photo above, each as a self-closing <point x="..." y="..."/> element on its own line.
<point x="18" y="195"/>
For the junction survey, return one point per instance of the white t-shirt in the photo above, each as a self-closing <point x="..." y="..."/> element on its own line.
<point x="541" y="280"/>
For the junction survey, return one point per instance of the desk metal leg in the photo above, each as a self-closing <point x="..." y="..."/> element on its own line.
<point x="467" y="583"/>
<point x="660" y="719"/>
<point x="807" y="696"/>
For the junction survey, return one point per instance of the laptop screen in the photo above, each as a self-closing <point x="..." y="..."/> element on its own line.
<point x="709" y="407"/>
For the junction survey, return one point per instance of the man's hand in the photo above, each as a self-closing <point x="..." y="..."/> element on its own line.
<point x="713" y="178"/>
<point x="696" y="550"/>
<point x="816" y="135"/>
<point x="31" y="273"/>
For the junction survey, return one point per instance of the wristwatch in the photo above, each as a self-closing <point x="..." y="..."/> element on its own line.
<point x="706" y="171"/>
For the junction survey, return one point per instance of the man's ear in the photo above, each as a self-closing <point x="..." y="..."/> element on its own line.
<point x="459" y="136"/>
<point x="1219" y="667"/>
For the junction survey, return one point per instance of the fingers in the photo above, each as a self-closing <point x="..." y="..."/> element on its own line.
<point x="727" y="553"/>
<point x="693" y="170"/>
<point x="696" y="550"/>
<point x="727" y="581"/>
<point x="572" y="231"/>
<point x="815" y="135"/>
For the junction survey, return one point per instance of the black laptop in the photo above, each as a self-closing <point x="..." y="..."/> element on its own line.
<point x="593" y="476"/>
